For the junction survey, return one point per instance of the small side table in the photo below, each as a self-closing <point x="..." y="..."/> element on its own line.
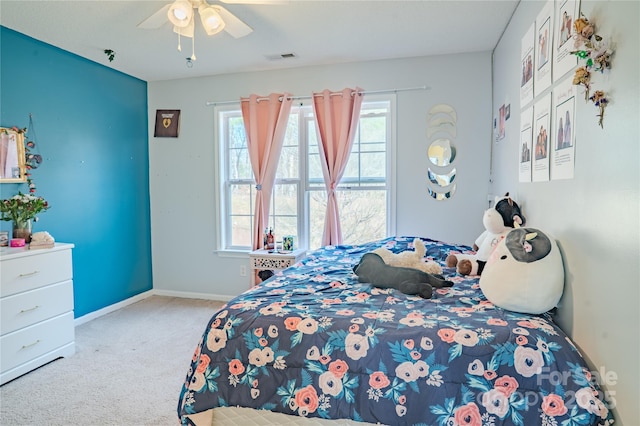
<point x="265" y="259"/>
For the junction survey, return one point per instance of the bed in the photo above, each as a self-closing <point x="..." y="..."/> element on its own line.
<point x="314" y="342"/>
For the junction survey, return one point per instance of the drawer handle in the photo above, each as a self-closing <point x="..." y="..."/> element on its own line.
<point x="28" y="274"/>
<point x="30" y="309"/>
<point x="31" y="344"/>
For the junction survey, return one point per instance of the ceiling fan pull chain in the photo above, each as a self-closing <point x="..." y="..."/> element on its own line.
<point x="179" y="46"/>
<point x="193" y="47"/>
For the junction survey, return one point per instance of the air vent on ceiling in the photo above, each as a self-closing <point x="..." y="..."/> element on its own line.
<point x="280" y="56"/>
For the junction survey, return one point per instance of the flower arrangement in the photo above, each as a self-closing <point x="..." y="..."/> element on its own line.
<point x="597" y="56"/>
<point x="21" y="208"/>
<point x="582" y="77"/>
<point x="600" y="100"/>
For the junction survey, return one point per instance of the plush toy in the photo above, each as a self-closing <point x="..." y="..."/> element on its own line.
<point x="498" y="221"/>
<point x="372" y="269"/>
<point x="524" y="273"/>
<point x="410" y="259"/>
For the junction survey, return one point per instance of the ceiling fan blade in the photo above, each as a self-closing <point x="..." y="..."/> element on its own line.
<point x="233" y="25"/>
<point x="156" y="20"/>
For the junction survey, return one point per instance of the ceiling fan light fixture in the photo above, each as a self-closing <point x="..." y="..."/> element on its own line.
<point x="180" y="13"/>
<point x="187" y="31"/>
<point x="211" y="20"/>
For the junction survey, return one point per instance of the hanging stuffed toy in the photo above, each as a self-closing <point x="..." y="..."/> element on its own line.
<point x="524" y="273"/>
<point x="498" y="221"/>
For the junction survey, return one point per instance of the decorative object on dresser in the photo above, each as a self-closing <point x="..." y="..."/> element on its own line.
<point x="272" y="260"/>
<point x="21" y="209"/>
<point x="36" y="300"/>
<point x="42" y="240"/>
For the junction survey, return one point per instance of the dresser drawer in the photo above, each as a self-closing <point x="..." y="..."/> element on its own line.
<point x="29" y="272"/>
<point x="30" y="307"/>
<point x="36" y="340"/>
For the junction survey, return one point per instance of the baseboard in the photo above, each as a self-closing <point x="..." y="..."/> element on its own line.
<point x="190" y="295"/>
<point x="155" y="292"/>
<point x="108" y="309"/>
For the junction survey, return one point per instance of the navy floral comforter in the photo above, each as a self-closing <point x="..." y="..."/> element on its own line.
<point x="312" y="341"/>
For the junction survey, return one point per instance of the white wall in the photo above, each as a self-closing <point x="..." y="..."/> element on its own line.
<point x="183" y="170"/>
<point x="594" y="216"/>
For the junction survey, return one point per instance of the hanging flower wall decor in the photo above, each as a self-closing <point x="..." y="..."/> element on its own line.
<point x="596" y="54"/>
<point x="582" y="77"/>
<point x="600" y="100"/>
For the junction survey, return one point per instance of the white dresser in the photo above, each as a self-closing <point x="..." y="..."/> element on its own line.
<point x="36" y="308"/>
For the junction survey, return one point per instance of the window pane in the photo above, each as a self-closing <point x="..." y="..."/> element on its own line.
<point x="317" y="212"/>
<point x="241" y="199"/>
<point x="237" y="135"/>
<point x="373" y="165"/>
<point x="363" y="216"/>
<point x="315" y="168"/>
<point x="288" y="164"/>
<point x="241" y="231"/>
<point x="286" y="225"/>
<point x="373" y="129"/>
<point x="285" y="200"/>
<point x="239" y="164"/>
<point x="291" y="137"/>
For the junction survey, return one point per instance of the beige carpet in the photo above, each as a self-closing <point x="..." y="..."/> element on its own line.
<point x="128" y="369"/>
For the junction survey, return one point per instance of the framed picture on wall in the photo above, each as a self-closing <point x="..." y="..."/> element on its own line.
<point x="12" y="159"/>
<point x="167" y="123"/>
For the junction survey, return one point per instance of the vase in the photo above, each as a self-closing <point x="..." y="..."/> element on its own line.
<point x="22" y="229"/>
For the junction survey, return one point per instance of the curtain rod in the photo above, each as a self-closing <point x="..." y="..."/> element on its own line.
<point x="366" y="92"/>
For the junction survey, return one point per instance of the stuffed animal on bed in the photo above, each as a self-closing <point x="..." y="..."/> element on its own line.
<point x="498" y="221"/>
<point x="410" y="259"/>
<point x="372" y="269"/>
<point x="524" y="273"/>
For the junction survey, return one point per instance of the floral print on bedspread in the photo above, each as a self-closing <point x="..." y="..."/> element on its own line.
<point x="313" y="341"/>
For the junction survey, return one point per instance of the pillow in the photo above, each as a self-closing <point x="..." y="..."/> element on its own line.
<point x="524" y="273"/>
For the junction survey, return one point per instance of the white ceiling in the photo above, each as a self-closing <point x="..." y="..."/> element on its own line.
<point x="317" y="32"/>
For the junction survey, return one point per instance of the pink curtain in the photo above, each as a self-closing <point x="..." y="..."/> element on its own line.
<point x="265" y="121"/>
<point x="337" y="115"/>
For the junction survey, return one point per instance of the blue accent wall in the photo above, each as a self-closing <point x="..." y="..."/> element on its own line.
<point x="91" y="128"/>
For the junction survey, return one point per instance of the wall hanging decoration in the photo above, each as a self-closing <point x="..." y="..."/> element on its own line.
<point x="167" y="123"/>
<point x="22" y="209"/>
<point x="12" y="157"/>
<point x="442" y="122"/>
<point x="596" y="53"/>
<point x="32" y="158"/>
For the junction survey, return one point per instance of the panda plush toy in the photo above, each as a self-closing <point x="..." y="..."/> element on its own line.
<point x="524" y="273"/>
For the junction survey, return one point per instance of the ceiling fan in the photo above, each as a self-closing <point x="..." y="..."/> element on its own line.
<point x="214" y="18"/>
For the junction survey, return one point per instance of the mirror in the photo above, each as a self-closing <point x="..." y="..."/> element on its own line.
<point x="448" y="193"/>
<point x="443" y="179"/>
<point x="12" y="159"/>
<point x="441" y="152"/>
<point x="442" y="109"/>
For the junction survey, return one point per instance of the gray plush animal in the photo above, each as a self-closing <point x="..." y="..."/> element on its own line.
<point x="372" y="269"/>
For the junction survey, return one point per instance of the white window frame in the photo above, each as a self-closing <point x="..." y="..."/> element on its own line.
<point x="304" y="187"/>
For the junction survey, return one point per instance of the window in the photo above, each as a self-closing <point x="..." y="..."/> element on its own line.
<point x="298" y="202"/>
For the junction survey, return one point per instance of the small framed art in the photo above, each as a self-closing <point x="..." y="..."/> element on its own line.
<point x="167" y="123"/>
